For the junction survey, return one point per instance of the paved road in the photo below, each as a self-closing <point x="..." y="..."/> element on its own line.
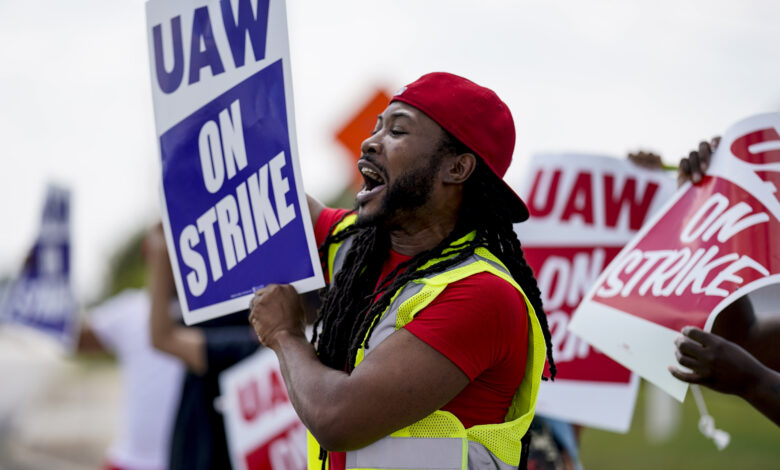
<point x="68" y="424"/>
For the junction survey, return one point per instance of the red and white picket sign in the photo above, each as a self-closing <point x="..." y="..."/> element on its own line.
<point x="584" y="209"/>
<point x="713" y="243"/>
<point x="263" y="431"/>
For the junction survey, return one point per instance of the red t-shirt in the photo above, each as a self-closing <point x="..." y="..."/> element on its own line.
<point x="480" y="323"/>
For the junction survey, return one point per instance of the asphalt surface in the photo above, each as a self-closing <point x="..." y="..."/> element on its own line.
<point x="66" y="424"/>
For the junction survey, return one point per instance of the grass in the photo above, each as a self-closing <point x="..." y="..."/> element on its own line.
<point x="755" y="440"/>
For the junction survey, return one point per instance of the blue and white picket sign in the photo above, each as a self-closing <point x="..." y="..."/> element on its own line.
<point x="41" y="297"/>
<point x="234" y="209"/>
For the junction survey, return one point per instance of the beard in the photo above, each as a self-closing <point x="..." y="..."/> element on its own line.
<point x="410" y="191"/>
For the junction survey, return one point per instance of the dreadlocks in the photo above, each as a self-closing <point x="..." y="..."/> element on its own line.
<point x="357" y="296"/>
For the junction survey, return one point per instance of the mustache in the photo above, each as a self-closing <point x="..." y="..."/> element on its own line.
<point x="369" y="158"/>
<point x="373" y="161"/>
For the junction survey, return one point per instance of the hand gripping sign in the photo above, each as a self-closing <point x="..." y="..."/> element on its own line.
<point x="41" y="297"/>
<point x="234" y="210"/>
<point x="584" y="209"/>
<point x="263" y="431"/>
<point x="713" y="243"/>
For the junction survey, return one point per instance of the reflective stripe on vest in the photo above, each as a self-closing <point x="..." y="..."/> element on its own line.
<point x="338" y="251"/>
<point x="439" y="441"/>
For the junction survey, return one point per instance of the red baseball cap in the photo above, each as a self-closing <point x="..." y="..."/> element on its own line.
<point x="474" y="115"/>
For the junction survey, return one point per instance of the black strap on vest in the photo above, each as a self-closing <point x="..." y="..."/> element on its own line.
<point x="525" y="442"/>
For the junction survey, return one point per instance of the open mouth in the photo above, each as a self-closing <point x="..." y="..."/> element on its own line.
<point x="373" y="181"/>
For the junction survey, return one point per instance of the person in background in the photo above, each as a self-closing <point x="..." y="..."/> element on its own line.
<point x="151" y="381"/>
<point x="198" y="441"/>
<point x="740" y="355"/>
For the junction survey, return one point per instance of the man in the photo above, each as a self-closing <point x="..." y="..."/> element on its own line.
<point x="432" y="329"/>
<point x="740" y="356"/>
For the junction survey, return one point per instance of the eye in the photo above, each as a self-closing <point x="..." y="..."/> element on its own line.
<point x="377" y="126"/>
<point x="397" y="131"/>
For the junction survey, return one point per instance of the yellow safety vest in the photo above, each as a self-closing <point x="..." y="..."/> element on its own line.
<point x="439" y="441"/>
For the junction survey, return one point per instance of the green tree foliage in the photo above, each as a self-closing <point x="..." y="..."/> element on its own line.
<point x="127" y="268"/>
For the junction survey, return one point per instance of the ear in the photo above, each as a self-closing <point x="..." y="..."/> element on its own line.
<point x="457" y="168"/>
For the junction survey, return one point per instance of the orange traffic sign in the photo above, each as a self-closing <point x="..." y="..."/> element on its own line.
<point x="360" y="126"/>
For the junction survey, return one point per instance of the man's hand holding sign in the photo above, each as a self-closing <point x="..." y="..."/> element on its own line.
<point x="283" y="314"/>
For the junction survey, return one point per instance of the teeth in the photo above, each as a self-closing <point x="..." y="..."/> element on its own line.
<point x="371" y="174"/>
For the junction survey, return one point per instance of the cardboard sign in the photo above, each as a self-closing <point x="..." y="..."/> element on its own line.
<point x="713" y="243"/>
<point x="584" y="209"/>
<point x="262" y="429"/>
<point x="42" y="298"/>
<point x="234" y="209"/>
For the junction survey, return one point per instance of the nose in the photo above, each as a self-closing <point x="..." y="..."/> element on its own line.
<point x="371" y="145"/>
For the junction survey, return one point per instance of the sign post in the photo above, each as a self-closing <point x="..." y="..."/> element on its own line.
<point x="234" y="209"/>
